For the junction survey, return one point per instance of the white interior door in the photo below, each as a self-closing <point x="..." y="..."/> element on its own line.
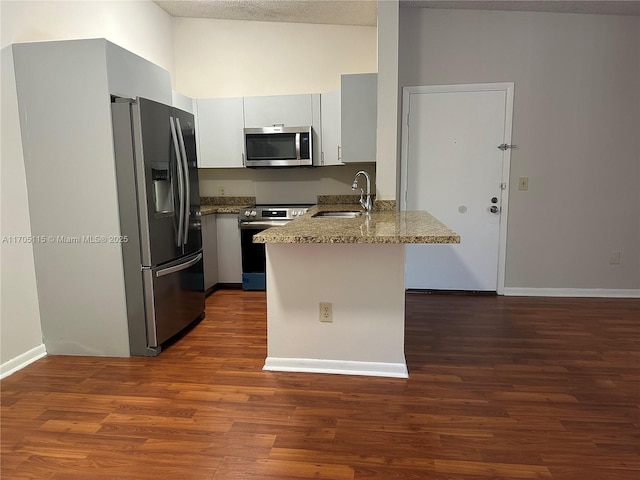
<point x="454" y="169"/>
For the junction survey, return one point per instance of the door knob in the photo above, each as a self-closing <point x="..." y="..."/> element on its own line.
<point x="494" y="199"/>
<point x="494" y="209"/>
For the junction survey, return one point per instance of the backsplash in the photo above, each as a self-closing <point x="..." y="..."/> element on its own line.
<point x="227" y="200"/>
<point x="378" y="205"/>
<point x="287" y="185"/>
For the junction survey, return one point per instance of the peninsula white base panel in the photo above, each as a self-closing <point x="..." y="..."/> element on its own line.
<point x="364" y="283"/>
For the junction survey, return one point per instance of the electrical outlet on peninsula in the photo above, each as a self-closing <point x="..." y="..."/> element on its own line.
<point x="326" y="312"/>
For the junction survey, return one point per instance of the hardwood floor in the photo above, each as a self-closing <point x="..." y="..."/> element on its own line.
<point x="499" y="388"/>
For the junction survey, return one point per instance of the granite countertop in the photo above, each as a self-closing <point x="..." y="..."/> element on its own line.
<point x="213" y="205"/>
<point x="213" y="209"/>
<point x="377" y="227"/>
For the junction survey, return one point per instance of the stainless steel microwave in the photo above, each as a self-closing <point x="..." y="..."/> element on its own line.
<point x="278" y="146"/>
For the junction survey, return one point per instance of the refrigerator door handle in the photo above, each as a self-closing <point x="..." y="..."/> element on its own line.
<point x="185" y="166"/>
<point x="174" y="137"/>
<point x="177" y="268"/>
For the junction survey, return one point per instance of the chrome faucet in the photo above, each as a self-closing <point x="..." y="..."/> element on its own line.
<point x="366" y="203"/>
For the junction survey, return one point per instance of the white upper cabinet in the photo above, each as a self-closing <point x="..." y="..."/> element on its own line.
<point x="359" y="107"/>
<point x="287" y="110"/>
<point x="331" y="138"/>
<point x="129" y="75"/>
<point x="183" y="102"/>
<point x="220" y="136"/>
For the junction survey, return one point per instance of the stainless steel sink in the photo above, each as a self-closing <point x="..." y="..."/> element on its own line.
<point x="351" y="214"/>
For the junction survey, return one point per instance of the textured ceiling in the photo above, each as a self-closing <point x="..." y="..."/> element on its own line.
<point x="364" y="12"/>
<point x="334" y="12"/>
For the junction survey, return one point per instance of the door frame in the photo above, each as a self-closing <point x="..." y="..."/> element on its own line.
<point x="508" y="88"/>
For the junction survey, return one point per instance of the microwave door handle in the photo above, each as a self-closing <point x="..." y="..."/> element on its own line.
<point x="298" y="146"/>
<point x="174" y="137"/>
<point x="187" y="189"/>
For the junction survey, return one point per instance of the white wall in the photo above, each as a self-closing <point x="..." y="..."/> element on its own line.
<point x="141" y="27"/>
<point x="230" y="58"/>
<point x="576" y="122"/>
<point x="138" y="26"/>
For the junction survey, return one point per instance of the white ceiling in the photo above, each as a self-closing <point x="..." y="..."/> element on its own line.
<point x="364" y="12"/>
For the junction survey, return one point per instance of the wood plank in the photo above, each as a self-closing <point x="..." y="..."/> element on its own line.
<point x="499" y="387"/>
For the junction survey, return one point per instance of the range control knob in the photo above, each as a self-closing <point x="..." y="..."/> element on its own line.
<point x="253" y="213"/>
<point x="294" y="213"/>
<point x="247" y="213"/>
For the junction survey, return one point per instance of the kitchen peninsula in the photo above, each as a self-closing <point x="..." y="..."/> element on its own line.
<point x="357" y="266"/>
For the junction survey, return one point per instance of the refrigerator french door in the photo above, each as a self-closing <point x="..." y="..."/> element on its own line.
<point x="160" y="215"/>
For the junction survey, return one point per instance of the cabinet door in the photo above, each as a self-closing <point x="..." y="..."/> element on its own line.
<point x="210" y="250"/>
<point x="220" y="136"/>
<point x="229" y="253"/>
<point x="287" y="110"/>
<point x="331" y="142"/>
<point x="359" y="106"/>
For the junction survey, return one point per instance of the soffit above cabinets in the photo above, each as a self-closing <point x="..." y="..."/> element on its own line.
<point x="364" y="12"/>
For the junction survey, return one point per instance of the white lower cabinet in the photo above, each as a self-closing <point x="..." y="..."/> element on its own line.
<point x="229" y="253"/>
<point x="210" y="250"/>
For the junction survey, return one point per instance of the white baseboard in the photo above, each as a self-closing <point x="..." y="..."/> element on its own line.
<point x="311" y="365"/>
<point x="572" y="292"/>
<point x="22" y="361"/>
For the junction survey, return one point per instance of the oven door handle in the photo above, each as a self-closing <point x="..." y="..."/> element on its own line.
<point x="260" y="225"/>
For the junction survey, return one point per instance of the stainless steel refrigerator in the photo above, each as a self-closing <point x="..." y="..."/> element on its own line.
<point x="159" y="205"/>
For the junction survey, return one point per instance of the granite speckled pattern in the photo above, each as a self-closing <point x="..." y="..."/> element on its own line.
<point x="337" y="199"/>
<point x="377" y="227"/>
<point x="213" y="205"/>
<point x="384" y="206"/>
<point x="378" y="205"/>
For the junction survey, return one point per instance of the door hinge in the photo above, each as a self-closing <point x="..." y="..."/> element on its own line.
<point x="503" y="186"/>
<point x="505" y="146"/>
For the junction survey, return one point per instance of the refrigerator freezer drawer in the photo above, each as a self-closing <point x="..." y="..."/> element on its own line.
<point x="174" y="298"/>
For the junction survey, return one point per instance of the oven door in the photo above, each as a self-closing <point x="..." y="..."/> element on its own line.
<point x="254" y="263"/>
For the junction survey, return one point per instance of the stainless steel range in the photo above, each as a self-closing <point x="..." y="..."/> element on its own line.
<point x="254" y="220"/>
